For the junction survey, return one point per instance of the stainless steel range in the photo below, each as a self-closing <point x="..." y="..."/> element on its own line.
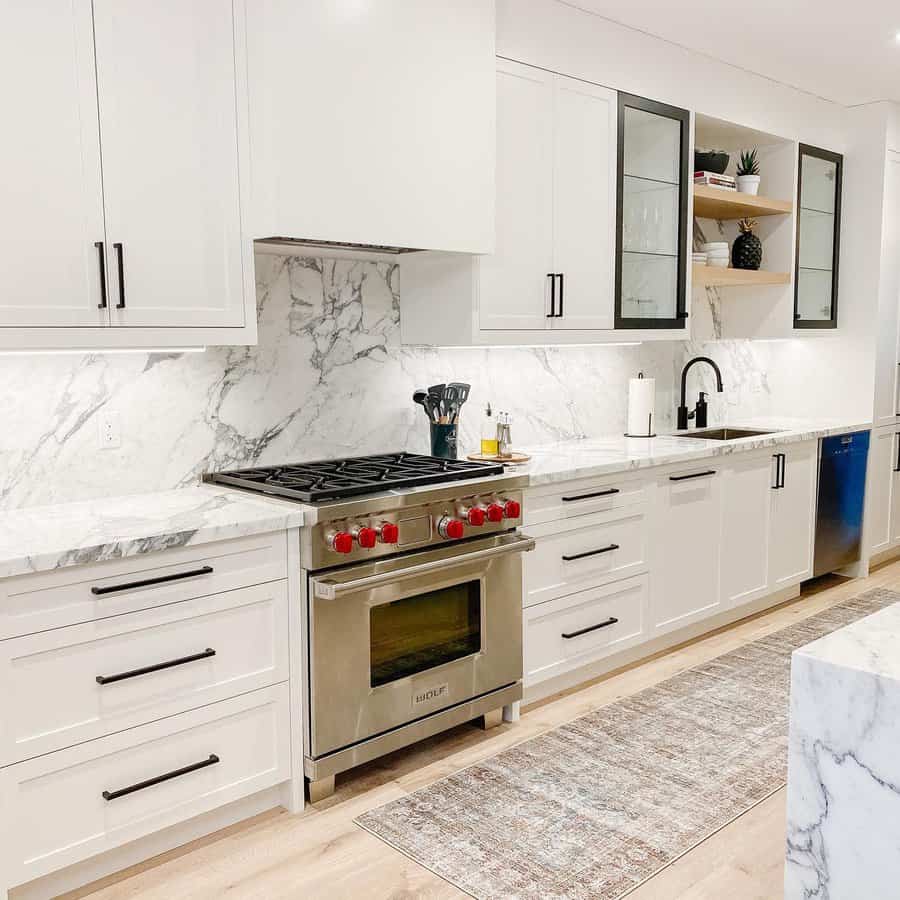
<point x="413" y="598"/>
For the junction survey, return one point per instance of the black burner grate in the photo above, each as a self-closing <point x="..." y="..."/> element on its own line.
<point x="333" y="479"/>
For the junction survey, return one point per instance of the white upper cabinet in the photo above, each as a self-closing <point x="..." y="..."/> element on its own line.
<point x="584" y="204"/>
<point x="124" y="158"/>
<point x="168" y="126"/>
<point x="515" y="278"/>
<point x="373" y="123"/>
<point x="887" y="375"/>
<point x="50" y="156"/>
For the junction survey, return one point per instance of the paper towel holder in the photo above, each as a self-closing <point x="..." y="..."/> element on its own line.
<point x="650" y="432"/>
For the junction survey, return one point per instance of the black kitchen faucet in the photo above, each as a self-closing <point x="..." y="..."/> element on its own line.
<point x="701" y="408"/>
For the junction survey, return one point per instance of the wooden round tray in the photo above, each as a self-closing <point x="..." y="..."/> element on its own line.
<point x="514" y="459"/>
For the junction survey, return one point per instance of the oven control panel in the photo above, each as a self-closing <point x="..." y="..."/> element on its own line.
<point x="411" y="528"/>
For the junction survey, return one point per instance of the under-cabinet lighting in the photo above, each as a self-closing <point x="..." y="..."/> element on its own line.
<point x="525" y="346"/>
<point x="94" y="351"/>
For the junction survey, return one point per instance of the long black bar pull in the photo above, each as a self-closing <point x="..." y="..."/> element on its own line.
<point x="562" y="293"/>
<point x="102" y="256"/>
<point x="607" y="493"/>
<point x="148" y="582"/>
<point x="123" y="792"/>
<point x="120" y="263"/>
<point x="588" y="553"/>
<point x="552" y="313"/>
<point x="157" y="667"/>
<point x="574" y="634"/>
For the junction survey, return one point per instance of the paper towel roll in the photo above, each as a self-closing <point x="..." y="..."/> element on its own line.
<point x="641" y="407"/>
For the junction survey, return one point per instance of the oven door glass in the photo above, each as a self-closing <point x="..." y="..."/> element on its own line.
<point x="426" y="630"/>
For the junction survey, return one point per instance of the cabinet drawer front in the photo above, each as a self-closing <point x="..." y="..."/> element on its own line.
<point x="34" y="603"/>
<point x="55" y="812"/>
<point x="61" y="687"/>
<point x="592" y="551"/>
<point x="578" y="498"/>
<point x="573" y="631"/>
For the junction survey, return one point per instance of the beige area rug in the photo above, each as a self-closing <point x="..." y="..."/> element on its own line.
<point x="597" y="806"/>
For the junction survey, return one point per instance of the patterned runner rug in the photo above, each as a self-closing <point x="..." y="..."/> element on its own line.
<point x="599" y="805"/>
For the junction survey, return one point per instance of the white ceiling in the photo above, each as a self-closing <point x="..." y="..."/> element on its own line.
<point x="840" y="50"/>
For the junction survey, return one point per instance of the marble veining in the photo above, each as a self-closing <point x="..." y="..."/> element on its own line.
<point x="42" y="538"/>
<point x="843" y="767"/>
<point x="568" y="460"/>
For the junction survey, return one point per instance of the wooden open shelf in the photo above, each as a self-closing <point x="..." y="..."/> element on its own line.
<point x="714" y="203"/>
<point x="711" y="276"/>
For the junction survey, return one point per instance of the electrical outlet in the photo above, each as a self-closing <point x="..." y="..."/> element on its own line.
<point x="110" y="431"/>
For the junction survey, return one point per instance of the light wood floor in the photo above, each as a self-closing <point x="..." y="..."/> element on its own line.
<point x="321" y="853"/>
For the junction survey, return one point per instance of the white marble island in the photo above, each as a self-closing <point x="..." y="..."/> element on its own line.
<point x="843" y="805"/>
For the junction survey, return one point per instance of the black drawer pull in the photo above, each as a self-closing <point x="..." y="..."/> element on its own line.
<point x="158" y="667"/>
<point x="574" y="634"/>
<point x="147" y="582"/>
<point x="608" y="492"/>
<point x="694" y="475"/>
<point x="122" y="792"/>
<point x="591" y="553"/>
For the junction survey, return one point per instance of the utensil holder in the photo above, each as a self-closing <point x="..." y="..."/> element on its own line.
<point x="443" y="441"/>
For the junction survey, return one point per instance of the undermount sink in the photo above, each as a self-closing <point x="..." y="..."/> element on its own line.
<point x="723" y="434"/>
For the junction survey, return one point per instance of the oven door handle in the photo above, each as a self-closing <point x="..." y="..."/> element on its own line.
<point x="329" y="590"/>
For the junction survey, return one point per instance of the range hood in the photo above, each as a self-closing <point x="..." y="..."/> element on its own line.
<point x="341" y="247"/>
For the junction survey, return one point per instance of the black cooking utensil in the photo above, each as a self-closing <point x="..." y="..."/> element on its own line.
<point x="421" y="397"/>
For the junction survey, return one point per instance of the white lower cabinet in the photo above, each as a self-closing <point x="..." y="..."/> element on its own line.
<point x="573" y="631"/>
<point x="792" y="535"/>
<point x="882" y="520"/>
<point x="685" y="547"/>
<point x="747" y="486"/>
<point x="63" y="807"/>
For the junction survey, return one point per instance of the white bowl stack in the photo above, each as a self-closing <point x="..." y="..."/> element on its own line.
<point x="716" y="254"/>
<point x="699" y="258"/>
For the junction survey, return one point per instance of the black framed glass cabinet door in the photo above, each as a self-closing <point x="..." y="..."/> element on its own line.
<point x="818" y="238"/>
<point x="651" y="213"/>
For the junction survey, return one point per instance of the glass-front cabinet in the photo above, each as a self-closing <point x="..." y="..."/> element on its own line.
<point x="651" y="227"/>
<point x="818" y="238"/>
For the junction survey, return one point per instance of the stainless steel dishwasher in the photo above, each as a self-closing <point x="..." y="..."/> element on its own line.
<point x="841" y="500"/>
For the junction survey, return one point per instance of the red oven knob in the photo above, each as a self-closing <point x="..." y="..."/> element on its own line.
<point x="474" y="515"/>
<point x="341" y="541"/>
<point x="366" y="537"/>
<point x="388" y="532"/>
<point x="450" y="528"/>
<point x="495" y="512"/>
<point x="512" y="509"/>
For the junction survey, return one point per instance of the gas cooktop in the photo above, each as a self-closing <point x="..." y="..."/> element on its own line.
<point x="314" y="482"/>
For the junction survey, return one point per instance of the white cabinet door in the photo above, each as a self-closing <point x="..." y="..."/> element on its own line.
<point x="895" y="496"/>
<point x="584" y="203"/>
<point x="50" y="192"/>
<point x="880" y="518"/>
<point x="514" y="283"/>
<point x="685" y="548"/>
<point x="793" y="517"/>
<point x="746" y="502"/>
<point x="887" y="382"/>
<point x="167" y="87"/>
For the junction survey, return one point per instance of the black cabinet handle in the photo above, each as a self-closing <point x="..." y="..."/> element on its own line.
<point x="694" y="475"/>
<point x="779" y="471"/>
<point x="102" y="256"/>
<point x="120" y="262"/>
<point x="574" y="634"/>
<point x="552" y="313"/>
<point x="122" y="792"/>
<point x="147" y="582"/>
<point x="562" y="293"/>
<point x="593" y="494"/>
<point x="783" y="468"/>
<point x="591" y="553"/>
<point x="897" y="466"/>
<point x="158" y="667"/>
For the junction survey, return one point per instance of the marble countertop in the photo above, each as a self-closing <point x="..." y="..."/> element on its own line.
<point x="42" y="538"/>
<point x="591" y="457"/>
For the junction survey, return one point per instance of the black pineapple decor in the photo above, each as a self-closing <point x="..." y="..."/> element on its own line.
<point x="746" y="252"/>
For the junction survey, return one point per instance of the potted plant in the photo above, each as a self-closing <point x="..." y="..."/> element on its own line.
<point x="748" y="173"/>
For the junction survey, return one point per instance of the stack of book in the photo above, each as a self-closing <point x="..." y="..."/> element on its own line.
<point x="713" y="179"/>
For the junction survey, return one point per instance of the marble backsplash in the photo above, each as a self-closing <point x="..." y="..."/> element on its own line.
<point x="328" y="378"/>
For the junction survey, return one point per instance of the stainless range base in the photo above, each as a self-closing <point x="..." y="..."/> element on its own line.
<point x="325" y="767"/>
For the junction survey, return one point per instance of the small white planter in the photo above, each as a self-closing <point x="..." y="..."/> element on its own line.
<point x="748" y="184"/>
